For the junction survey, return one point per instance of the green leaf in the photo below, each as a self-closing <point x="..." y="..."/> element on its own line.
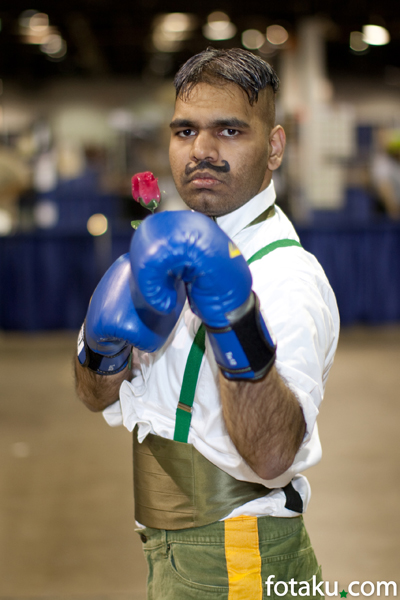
<point x="151" y="206"/>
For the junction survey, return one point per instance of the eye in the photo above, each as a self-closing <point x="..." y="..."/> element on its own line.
<point x="230" y="132"/>
<point x="185" y="133"/>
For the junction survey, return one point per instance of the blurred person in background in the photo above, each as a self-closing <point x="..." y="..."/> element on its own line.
<point x="385" y="172"/>
<point x="225" y="423"/>
<point x="15" y="178"/>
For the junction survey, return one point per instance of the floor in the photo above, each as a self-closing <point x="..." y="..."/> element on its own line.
<point x="66" y="508"/>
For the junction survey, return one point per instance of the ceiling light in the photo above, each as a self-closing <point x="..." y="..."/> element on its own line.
<point x="277" y="35"/>
<point x="60" y="54"/>
<point x="175" y="22"/>
<point x="375" y="35"/>
<point x="171" y="29"/>
<point x="252" y="39"/>
<point x="217" y="17"/>
<point x="219" y="26"/>
<point x="219" y="30"/>
<point x="53" y="44"/>
<point x="39" y="37"/>
<point x="39" y="22"/>
<point x="357" y="42"/>
<point x="25" y="17"/>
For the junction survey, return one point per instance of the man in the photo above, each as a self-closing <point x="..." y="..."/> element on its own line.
<point x="220" y="438"/>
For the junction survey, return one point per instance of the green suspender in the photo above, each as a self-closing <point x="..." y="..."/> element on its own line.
<point x="193" y="364"/>
<point x="190" y="377"/>
<point x="271" y="247"/>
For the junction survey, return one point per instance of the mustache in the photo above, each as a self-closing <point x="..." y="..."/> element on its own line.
<point x="204" y="164"/>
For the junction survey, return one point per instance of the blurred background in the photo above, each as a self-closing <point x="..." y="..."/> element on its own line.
<point x="86" y="97"/>
<point x="85" y="102"/>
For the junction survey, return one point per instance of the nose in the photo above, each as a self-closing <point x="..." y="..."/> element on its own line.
<point x="204" y="147"/>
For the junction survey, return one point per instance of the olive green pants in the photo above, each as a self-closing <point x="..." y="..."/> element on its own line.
<point x="232" y="560"/>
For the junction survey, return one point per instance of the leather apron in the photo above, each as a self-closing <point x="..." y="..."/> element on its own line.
<point x="176" y="487"/>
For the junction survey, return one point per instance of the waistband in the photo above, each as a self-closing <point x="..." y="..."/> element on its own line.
<point x="270" y="529"/>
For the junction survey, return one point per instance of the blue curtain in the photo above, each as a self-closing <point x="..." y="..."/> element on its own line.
<point x="362" y="264"/>
<point x="46" y="280"/>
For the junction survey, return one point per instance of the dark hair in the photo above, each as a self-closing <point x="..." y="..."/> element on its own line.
<point x="235" y="65"/>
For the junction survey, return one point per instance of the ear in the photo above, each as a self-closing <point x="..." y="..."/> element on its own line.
<point x="277" y="140"/>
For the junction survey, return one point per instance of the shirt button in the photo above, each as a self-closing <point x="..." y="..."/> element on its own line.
<point x="143" y="538"/>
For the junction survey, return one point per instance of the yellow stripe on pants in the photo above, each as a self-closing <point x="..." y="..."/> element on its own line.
<point x="243" y="560"/>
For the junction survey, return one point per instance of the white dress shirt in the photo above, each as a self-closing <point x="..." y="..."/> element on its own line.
<point x="300" y="310"/>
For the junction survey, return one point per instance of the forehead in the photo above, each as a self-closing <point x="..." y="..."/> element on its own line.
<point x="207" y="101"/>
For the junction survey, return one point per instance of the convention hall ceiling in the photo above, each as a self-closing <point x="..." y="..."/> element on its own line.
<point x="114" y="37"/>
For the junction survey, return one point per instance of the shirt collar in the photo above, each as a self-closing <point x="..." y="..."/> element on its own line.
<point x="237" y="220"/>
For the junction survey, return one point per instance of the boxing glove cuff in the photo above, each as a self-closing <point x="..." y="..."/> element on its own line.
<point x="99" y="363"/>
<point x="244" y="349"/>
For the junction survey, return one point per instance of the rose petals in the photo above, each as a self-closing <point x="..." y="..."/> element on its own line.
<point x="145" y="190"/>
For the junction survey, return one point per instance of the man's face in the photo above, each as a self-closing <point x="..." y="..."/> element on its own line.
<point x="220" y="148"/>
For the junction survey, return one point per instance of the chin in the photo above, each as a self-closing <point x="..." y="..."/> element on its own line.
<point x="206" y="208"/>
<point x="206" y="203"/>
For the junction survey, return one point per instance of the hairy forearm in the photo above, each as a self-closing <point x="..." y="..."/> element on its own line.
<point x="264" y="421"/>
<point x="98" y="391"/>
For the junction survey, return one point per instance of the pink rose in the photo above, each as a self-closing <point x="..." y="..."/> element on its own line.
<point x="145" y="190"/>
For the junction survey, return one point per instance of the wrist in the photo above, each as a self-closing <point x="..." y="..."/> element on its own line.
<point x="102" y="364"/>
<point x="244" y="349"/>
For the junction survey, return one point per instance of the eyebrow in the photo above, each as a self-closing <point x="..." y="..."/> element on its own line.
<point x="230" y="122"/>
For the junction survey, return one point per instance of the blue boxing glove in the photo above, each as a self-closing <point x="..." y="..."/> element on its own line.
<point x="188" y="246"/>
<point x="118" y="318"/>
